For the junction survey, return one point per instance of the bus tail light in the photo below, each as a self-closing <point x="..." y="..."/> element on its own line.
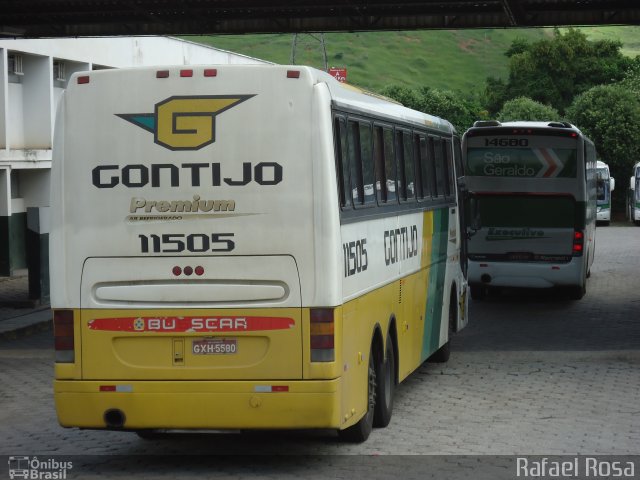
<point x="322" y="335"/>
<point x="63" y="336"/>
<point x="578" y="243"/>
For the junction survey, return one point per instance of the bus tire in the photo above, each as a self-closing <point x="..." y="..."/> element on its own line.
<point x="359" y="432"/>
<point x="478" y="292"/>
<point x="444" y="352"/>
<point x="577" y="292"/>
<point x="385" y="387"/>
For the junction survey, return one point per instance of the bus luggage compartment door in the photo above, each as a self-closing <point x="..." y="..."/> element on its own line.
<point x="191" y="318"/>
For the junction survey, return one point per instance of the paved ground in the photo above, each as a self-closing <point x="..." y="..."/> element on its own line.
<point x="20" y="315"/>
<point x="531" y="375"/>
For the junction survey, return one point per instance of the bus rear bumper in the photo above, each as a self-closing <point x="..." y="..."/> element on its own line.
<point x="525" y="275"/>
<point x="603" y="216"/>
<point x="200" y="404"/>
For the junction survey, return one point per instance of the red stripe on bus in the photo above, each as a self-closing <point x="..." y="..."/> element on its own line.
<point x="191" y="324"/>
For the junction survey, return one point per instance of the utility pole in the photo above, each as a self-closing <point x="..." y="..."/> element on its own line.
<point x="320" y="39"/>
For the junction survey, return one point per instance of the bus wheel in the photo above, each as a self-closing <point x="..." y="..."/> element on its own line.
<point x="577" y="292"/>
<point x="386" y="387"/>
<point x="359" y="432"/>
<point x="478" y="292"/>
<point x="444" y="352"/>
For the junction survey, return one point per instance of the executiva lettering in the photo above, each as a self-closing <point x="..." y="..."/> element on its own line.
<point x="514" y="234"/>
<point x="193" y="174"/>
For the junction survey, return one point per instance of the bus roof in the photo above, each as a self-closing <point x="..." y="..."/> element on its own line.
<point x="349" y="96"/>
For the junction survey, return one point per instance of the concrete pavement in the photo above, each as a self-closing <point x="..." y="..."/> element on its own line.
<point x="18" y="314"/>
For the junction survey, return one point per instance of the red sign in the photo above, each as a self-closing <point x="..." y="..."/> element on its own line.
<point x="191" y="324"/>
<point x="340" y="74"/>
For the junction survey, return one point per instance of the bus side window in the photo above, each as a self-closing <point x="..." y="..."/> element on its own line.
<point x="457" y="157"/>
<point x="378" y="155"/>
<point x="436" y="143"/>
<point x="426" y="167"/>
<point x="407" y="162"/>
<point x="368" y="171"/>
<point x="420" y="180"/>
<point x="355" y="165"/>
<point x="342" y="161"/>
<point x="390" y="166"/>
<point x="448" y="165"/>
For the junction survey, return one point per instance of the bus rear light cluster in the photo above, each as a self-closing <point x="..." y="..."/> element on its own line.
<point x="188" y="271"/>
<point x="322" y="335"/>
<point x="63" y="333"/>
<point x="188" y="73"/>
<point x="578" y="243"/>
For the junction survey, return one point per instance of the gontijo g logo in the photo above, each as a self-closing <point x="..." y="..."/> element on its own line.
<point x="185" y="122"/>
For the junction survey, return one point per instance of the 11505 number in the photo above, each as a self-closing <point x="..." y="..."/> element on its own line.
<point x="179" y="242"/>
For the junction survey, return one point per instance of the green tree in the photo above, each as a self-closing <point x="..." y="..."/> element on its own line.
<point x="459" y="110"/>
<point x="610" y="116"/>
<point x="553" y="71"/>
<point x="524" y="108"/>
<point x="406" y="96"/>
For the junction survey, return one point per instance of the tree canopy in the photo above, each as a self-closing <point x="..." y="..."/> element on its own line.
<point x="610" y="116"/>
<point x="524" y="108"/>
<point x="553" y="71"/>
<point x="452" y="106"/>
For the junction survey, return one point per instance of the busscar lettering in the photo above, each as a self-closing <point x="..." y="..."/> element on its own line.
<point x="194" y="174"/>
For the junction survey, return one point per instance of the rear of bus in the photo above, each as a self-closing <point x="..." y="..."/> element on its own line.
<point x="532" y="209"/>
<point x="186" y="258"/>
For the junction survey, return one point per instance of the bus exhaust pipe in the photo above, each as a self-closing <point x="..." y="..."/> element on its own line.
<point x="485" y="278"/>
<point x="114" y="418"/>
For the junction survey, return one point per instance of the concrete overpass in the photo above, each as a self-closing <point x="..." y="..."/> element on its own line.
<point x="64" y="18"/>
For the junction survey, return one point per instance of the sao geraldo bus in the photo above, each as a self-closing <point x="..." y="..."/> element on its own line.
<point x="247" y="247"/>
<point x="532" y="206"/>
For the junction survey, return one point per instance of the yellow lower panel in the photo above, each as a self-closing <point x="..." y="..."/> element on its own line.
<point x="216" y="405"/>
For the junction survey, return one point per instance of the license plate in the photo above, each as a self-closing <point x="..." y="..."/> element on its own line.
<point x="215" y="346"/>
<point x="520" y="256"/>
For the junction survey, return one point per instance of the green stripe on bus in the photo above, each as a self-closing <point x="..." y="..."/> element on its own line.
<point x="437" y="269"/>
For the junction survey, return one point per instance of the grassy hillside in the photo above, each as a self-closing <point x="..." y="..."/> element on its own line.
<point x="456" y="59"/>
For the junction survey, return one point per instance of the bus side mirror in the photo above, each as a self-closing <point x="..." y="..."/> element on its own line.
<point x="632" y="183"/>
<point x="612" y="184"/>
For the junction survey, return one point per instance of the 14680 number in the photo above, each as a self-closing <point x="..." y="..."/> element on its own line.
<point x="506" y="142"/>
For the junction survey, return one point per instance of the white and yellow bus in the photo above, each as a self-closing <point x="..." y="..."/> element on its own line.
<point x="605" y="185"/>
<point x="247" y="247"/>
<point x="533" y="206"/>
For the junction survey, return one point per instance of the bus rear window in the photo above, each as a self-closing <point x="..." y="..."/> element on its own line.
<point x="533" y="211"/>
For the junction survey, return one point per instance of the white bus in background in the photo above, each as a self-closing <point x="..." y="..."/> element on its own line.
<point x="247" y="247"/>
<point x="633" y="196"/>
<point x="606" y="184"/>
<point x="532" y="187"/>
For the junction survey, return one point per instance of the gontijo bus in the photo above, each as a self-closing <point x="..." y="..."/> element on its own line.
<point x="533" y="205"/>
<point x="247" y="247"/>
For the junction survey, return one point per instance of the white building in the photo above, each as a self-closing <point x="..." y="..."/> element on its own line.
<point x="33" y="75"/>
